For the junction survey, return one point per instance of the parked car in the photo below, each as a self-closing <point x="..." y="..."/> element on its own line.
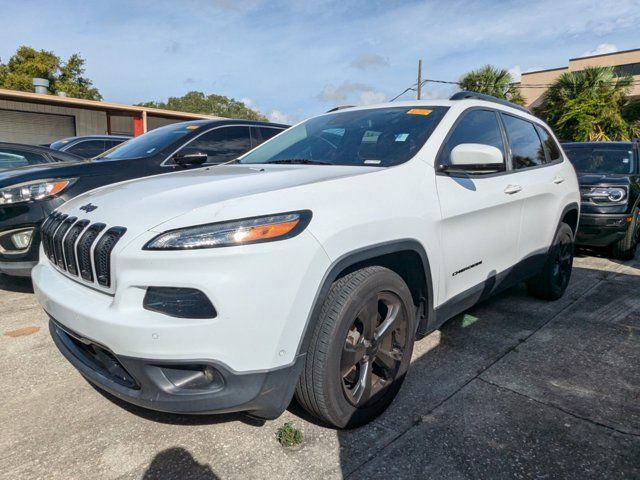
<point x="16" y="155"/>
<point x="609" y="178"/>
<point x="89" y="146"/>
<point x="310" y="265"/>
<point x="29" y="194"/>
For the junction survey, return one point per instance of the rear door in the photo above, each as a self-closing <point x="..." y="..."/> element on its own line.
<point x="480" y="214"/>
<point x="536" y="162"/>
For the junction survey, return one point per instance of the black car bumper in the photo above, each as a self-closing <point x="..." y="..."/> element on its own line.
<point x="601" y="230"/>
<point x="189" y="387"/>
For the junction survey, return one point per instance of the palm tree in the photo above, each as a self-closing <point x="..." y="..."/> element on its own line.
<point x="590" y="104"/>
<point x="494" y="81"/>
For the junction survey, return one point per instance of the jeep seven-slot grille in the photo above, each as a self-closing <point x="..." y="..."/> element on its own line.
<point x="69" y="243"/>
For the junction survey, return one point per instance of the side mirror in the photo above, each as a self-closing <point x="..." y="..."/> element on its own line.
<point x="190" y="158"/>
<point x="476" y="157"/>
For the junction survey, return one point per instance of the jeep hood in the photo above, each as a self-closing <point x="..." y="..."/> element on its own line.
<point x="141" y="204"/>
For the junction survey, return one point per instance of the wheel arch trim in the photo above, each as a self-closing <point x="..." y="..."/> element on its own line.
<point x="358" y="256"/>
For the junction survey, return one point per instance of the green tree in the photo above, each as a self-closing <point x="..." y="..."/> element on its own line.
<point x="494" y="81"/>
<point x="198" y="102"/>
<point x="64" y="76"/>
<point x="591" y="104"/>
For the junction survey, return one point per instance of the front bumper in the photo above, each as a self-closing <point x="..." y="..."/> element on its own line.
<point x="601" y="230"/>
<point x="178" y="386"/>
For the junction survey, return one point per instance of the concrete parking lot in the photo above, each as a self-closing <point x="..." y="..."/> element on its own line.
<point x="514" y="388"/>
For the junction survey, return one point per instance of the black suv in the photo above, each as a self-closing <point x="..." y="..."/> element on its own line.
<point x="29" y="194"/>
<point x="609" y="177"/>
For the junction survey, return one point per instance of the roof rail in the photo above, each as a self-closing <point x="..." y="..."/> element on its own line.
<point x="339" y="107"/>
<point x="488" y="98"/>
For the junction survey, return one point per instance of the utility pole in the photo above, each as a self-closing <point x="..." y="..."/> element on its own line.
<point x="419" y="89"/>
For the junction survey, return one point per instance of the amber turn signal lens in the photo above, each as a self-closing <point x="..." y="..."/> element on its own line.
<point x="265" y="232"/>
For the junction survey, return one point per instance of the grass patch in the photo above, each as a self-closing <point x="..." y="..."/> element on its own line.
<point x="289" y="436"/>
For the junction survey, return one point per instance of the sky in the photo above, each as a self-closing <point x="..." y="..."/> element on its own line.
<point x="291" y="59"/>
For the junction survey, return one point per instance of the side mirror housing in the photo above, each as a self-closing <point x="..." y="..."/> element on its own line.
<point x="190" y="158"/>
<point x="476" y="157"/>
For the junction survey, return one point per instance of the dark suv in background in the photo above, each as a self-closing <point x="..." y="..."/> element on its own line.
<point x="89" y="146"/>
<point x="609" y="178"/>
<point x="29" y="194"/>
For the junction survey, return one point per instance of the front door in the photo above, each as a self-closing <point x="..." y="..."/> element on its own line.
<point x="480" y="214"/>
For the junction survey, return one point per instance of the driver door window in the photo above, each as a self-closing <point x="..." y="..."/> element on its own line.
<point x="221" y="144"/>
<point x="476" y="126"/>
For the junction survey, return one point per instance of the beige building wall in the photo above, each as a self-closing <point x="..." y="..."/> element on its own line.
<point x="533" y="94"/>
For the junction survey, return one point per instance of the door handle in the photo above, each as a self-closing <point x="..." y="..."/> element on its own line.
<point x="511" y="189"/>
<point x="558" y="180"/>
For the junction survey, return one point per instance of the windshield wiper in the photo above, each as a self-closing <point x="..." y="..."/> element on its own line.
<point x="300" y="161"/>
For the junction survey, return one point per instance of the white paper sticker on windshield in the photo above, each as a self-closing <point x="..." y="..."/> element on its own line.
<point x="372" y="162"/>
<point x="401" y="137"/>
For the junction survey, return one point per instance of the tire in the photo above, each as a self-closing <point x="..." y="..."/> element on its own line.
<point x="356" y="362"/>
<point x="552" y="281"/>
<point x="625" y="248"/>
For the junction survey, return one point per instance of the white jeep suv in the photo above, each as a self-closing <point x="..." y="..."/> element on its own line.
<point x="310" y="265"/>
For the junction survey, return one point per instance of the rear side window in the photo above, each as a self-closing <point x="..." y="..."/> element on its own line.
<point x="526" y="148"/>
<point x="476" y="126"/>
<point x="550" y="145"/>
<point x="10" y="158"/>
<point x="88" y="148"/>
<point x="222" y="144"/>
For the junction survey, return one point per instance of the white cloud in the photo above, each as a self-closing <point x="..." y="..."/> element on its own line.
<point x="249" y="102"/>
<point x="279" y="117"/>
<point x="601" y="50"/>
<point x="371" y="98"/>
<point x="331" y="93"/>
<point x="367" y="60"/>
<point x="516" y="73"/>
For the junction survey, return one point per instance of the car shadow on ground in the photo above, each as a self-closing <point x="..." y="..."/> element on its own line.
<point x="15" y="284"/>
<point x="178" y="463"/>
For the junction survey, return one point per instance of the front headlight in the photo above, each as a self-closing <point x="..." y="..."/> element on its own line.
<point x="606" y="195"/>
<point x="238" y="232"/>
<point x="35" y="190"/>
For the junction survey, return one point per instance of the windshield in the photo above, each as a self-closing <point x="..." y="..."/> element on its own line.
<point x="380" y="137"/>
<point x="150" y="143"/>
<point x="605" y="159"/>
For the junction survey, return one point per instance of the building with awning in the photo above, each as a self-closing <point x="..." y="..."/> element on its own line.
<point x="40" y="118"/>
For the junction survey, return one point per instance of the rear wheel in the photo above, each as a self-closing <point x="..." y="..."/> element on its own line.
<point x="625" y="248"/>
<point x="360" y="350"/>
<point x="553" y="279"/>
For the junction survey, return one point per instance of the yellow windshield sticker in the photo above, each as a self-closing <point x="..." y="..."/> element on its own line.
<point x="419" y="111"/>
<point x="192" y="127"/>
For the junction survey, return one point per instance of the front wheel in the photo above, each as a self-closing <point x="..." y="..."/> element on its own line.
<point x="553" y="279"/>
<point x="360" y="350"/>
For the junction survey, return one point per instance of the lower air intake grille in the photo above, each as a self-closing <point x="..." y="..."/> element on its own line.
<point x="69" y="243"/>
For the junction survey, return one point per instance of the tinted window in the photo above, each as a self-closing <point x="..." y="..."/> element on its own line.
<point x="112" y="143"/>
<point x="266" y="133"/>
<point x="151" y="142"/>
<point x="10" y="158"/>
<point x="553" y="150"/>
<point x="476" y="126"/>
<point x="380" y="137"/>
<point x="87" y="148"/>
<point x="526" y="149"/>
<point x="222" y="144"/>
<point x="601" y="159"/>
